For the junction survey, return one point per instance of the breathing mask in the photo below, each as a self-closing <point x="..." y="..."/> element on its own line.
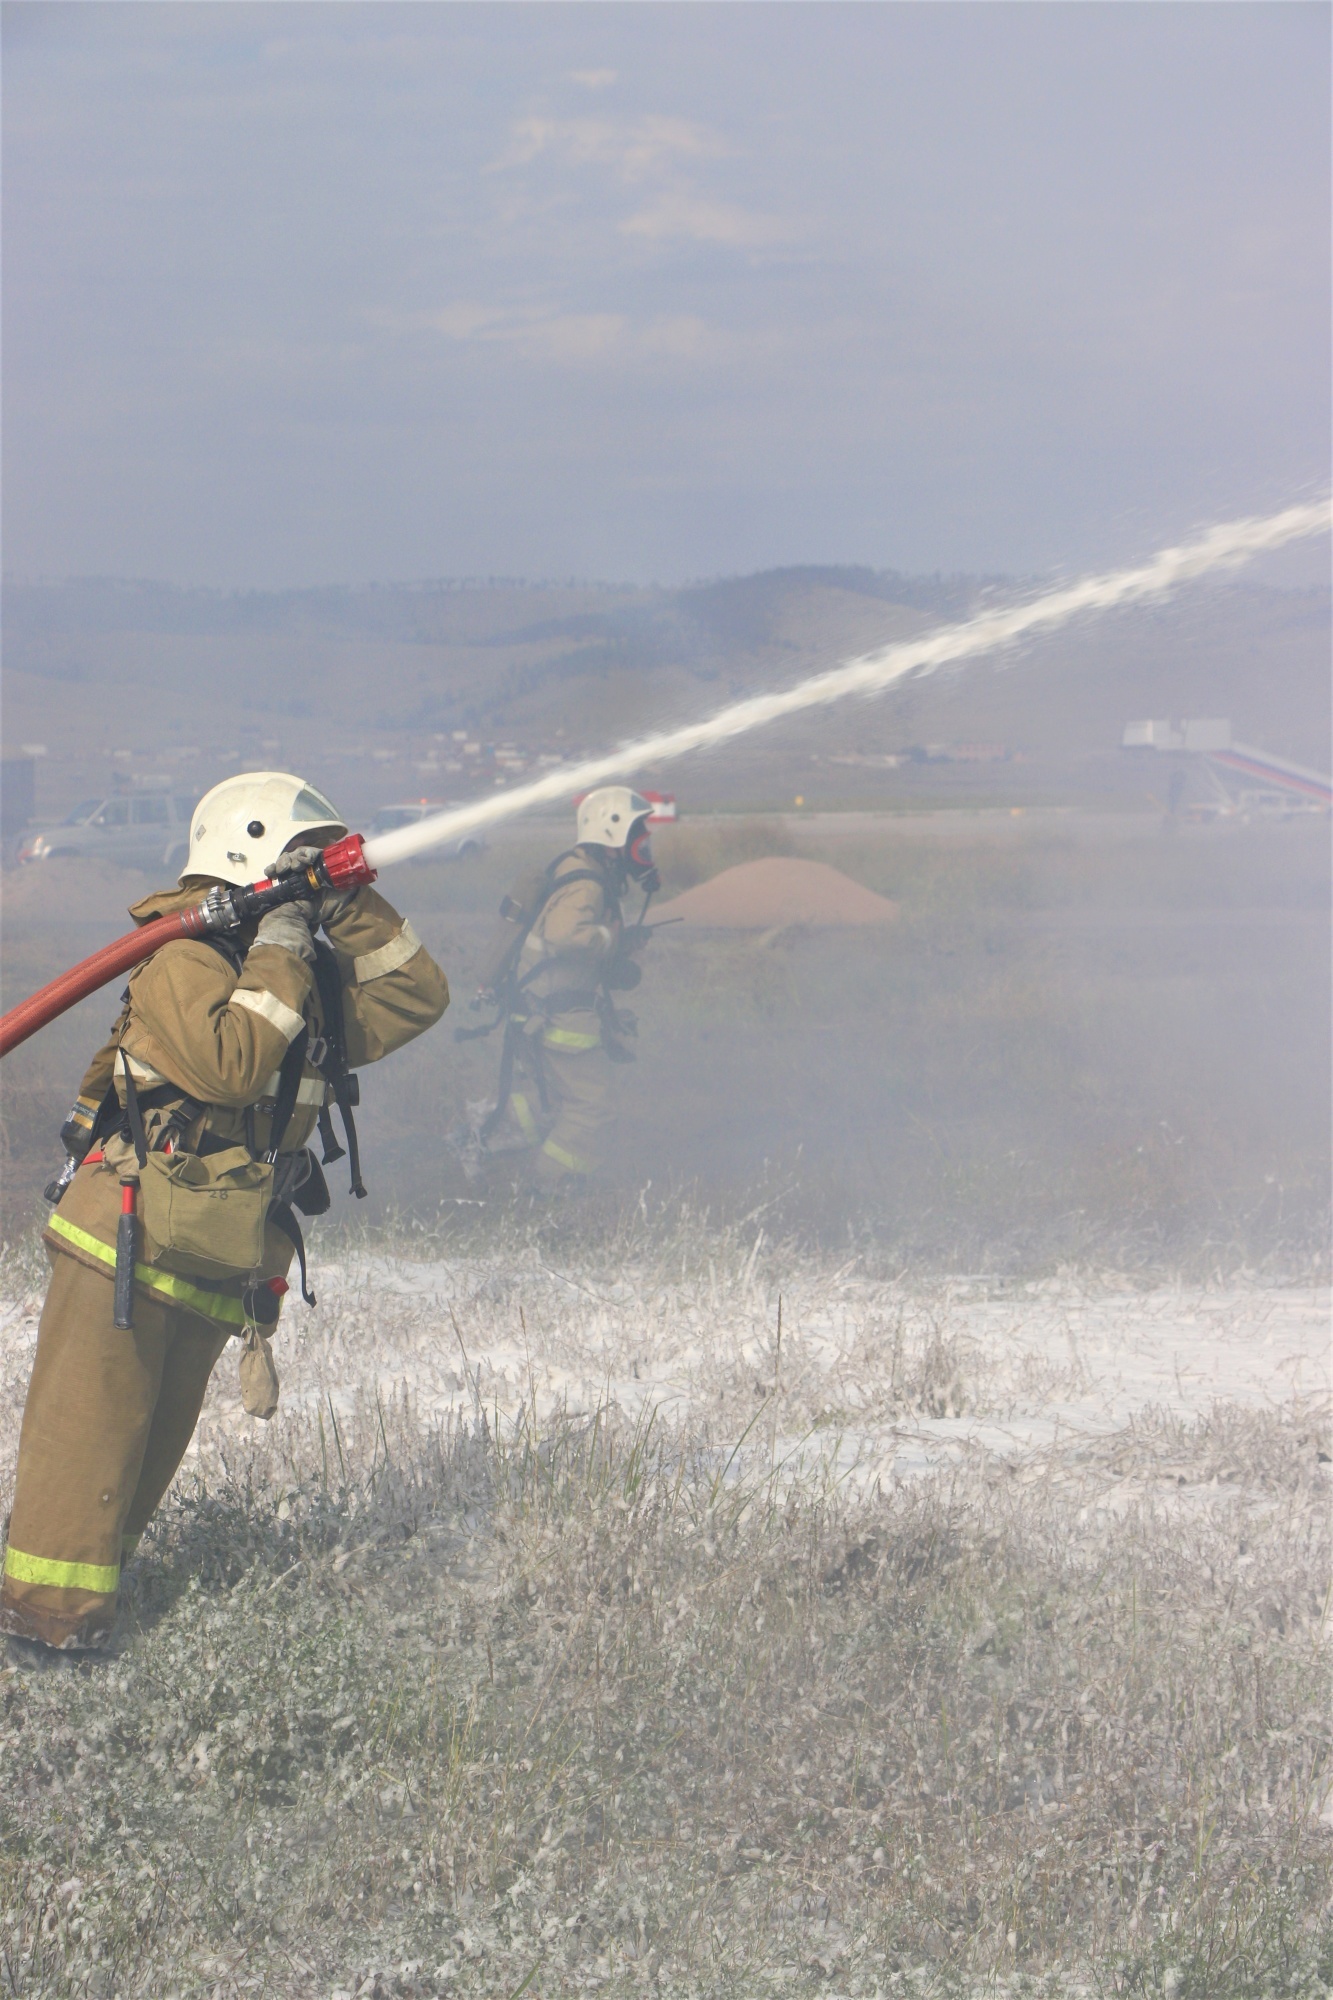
<point x="639" y="861"/>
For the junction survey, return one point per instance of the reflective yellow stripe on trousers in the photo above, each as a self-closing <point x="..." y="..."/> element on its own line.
<point x="527" y="1124"/>
<point x="101" y="1577"/>
<point x="575" y="1162"/>
<point x="570" y="1038"/>
<point x="214" y="1305"/>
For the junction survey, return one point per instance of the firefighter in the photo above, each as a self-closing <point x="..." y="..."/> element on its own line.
<point x="227" y="1050"/>
<point x="563" y="951"/>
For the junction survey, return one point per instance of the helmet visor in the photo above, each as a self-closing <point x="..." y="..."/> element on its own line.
<point x="311" y="808"/>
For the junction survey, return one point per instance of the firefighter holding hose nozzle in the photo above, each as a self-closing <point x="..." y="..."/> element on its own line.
<point x="177" y="1217"/>
<point x="562" y="954"/>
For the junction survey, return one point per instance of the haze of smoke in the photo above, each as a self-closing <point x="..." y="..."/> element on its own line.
<point x="1225" y="546"/>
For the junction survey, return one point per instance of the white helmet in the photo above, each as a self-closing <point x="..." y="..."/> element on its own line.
<point x="244" y="824"/>
<point x="609" y="815"/>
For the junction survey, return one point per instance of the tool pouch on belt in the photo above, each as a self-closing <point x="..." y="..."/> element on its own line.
<point x="259" y="1374"/>
<point x="204" y="1217"/>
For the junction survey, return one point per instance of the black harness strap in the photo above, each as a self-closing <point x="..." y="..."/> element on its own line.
<point x="334" y="1068"/>
<point x="134" y="1113"/>
<point x="281" y="1216"/>
<point x="107" y="1117"/>
<point x="280" y="1213"/>
<point x="289" y="1084"/>
<point x="184" y="1113"/>
<point x="226" y="947"/>
<point x="328" y="1138"/>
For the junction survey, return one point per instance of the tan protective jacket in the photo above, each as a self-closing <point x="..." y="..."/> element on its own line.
<point x="576" y="933"/>
<point x="193" y="1022"/>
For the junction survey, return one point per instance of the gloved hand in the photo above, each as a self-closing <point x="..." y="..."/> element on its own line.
<point x="292" y="928"/>
<point x="321" y="907"/>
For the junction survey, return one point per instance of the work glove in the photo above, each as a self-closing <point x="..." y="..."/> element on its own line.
<point x="292" y="928"/>
<point x="321" y="907"/>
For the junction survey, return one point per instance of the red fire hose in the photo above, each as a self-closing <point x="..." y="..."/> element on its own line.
<point x="341" y="866"/>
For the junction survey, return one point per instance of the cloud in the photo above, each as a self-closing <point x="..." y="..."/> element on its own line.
<point x="463" y="321"/>
<point x="569" y="338"/>
<point x="966" y="348"/>
<point x="655" y="157"/>
<point x="593" y="79"/>
<point x="538" y="332"/>
<point x="635" y="149"/>
<point x="545" y="334"/>
<point x="681" y="214"/>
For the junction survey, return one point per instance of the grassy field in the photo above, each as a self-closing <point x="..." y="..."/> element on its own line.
<point x="572" y="1629"/>
<point x="550" y="1692"/>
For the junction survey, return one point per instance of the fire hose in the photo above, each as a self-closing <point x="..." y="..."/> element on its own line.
<point x="341" y="866"/>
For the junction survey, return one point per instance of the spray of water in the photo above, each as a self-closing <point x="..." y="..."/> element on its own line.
<point x="1220" y="548"/>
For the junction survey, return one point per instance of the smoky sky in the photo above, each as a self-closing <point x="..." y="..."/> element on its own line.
<point x="325" y="293"/>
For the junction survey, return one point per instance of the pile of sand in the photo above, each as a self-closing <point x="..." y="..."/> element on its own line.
<point x="762" y="895"/>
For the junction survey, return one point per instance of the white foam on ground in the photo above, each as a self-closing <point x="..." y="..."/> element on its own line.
<point x="873" y="1380"/>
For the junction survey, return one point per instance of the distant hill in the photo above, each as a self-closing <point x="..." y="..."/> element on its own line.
<point x="369" y="685"/>
<point x="726" y="611"/>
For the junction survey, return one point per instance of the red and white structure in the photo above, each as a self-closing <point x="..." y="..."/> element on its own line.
<point x="1267" y="769"/>
<point x="1210" y="736"/>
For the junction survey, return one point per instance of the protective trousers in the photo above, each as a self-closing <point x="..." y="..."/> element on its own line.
<point x="108" y="1418"/>
<point x="581" y="1095"/>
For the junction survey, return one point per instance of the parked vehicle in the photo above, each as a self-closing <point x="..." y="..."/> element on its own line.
<point x="146" y="830"/>
<point x="389" y="818"/>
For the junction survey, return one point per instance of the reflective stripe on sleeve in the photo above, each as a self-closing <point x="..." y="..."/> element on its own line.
<point x="374" y="964"/>
<point x="257" y="1000"/>
<point x="575" y="1162"/>
<point x="214" y="1305"/>
<point x="570" y="1038"/>
<point x="101" y="1577"/>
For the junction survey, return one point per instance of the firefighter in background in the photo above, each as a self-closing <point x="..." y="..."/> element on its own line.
<point x="562" y="953"/>
<point x="218" y="1072"/>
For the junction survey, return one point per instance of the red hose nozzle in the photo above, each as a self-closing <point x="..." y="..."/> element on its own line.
<point x="344" y="864"/>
